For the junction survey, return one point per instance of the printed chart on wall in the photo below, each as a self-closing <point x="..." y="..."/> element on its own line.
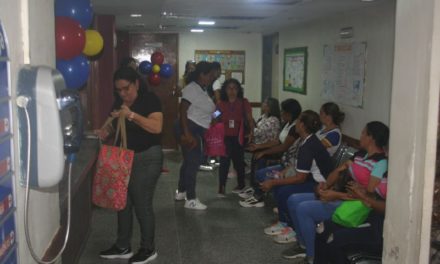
<point x="232" y="62"/>
<point x="343" y="73"/>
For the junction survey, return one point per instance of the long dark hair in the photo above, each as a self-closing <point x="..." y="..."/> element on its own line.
<point x="292" y="107"/>
<point x="224" y="96"/>
<point x="130" y="75"/>
<point x="379" y="132"/>
<point x="311" y="121"/>
<point x="274" y="107"/>
<point x="333" y="111"/>
<point x="202" y="67"/>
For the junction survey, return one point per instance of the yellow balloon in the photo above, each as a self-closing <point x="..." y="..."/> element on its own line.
<point x="156" y="68"/>
<point x="94" y="43"/>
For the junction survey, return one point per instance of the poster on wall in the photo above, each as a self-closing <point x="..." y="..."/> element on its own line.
<point x="343" y="73"/>
<point x="231" y="61"/>
<point x="295" y="70"/>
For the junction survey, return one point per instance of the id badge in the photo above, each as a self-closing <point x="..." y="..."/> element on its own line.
<point x="231" y="124"/>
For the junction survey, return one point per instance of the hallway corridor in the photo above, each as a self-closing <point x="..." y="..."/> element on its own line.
<point x="224" y="233"/>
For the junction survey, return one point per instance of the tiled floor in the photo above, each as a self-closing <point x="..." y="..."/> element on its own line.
<point x="225" y="233"/>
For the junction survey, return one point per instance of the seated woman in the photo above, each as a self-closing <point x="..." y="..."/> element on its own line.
<point x="332" y="245"/>
<point x="330" y="134"/>
<point x="267" y="126"/>
<point x="306" y="209"/>
<point x="312" y="165"/>
<point x="267" y="129"/>
<point x="290" y="110"/>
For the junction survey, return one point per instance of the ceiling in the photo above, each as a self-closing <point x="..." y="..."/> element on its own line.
<point x="258" y="16"/>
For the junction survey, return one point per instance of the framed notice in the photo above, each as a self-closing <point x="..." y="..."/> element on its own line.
<point x="232" y="61"/>
<point x="295" y="70"/>
<point x="343" y="73"/>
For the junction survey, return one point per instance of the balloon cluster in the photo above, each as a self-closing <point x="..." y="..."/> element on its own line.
<point x="74" y="41"/>
<point x="156" y="68"/>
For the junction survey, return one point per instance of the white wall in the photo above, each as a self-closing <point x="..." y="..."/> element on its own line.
<point x="250" y="43"/>
<point x="31" y="39"/>
<point x="373" y="25"/>
<point x="413" y="138"/>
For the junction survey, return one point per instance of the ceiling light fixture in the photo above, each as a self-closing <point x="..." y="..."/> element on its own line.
<point x="206" y="22"/>
<point x="136" y="15"/>
<point x="197" y="30"/>
<point x="368" y="0"/>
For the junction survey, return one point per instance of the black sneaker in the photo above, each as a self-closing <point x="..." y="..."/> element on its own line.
<point x="143" y="256"/>
<point x="114" y="252"/>
<point x="294" y="252"/>
<point x="252" y="202"/>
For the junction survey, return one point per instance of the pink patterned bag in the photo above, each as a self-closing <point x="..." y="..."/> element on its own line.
<point x="113" y="168"/>
<point x="215" y="140"/>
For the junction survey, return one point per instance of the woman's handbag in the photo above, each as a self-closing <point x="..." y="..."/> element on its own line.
<point x="351" y="213"/>
<point x="215" y="140"/>
<point x="113" y="168"/>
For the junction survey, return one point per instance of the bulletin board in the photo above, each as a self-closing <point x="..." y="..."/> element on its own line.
<point x="295" y="70"/>
<point x="343" y="74"/>
<point x="232" y="62"/>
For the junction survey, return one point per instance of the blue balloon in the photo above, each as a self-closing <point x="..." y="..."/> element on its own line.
<point x="145" y="67"/>
<point x="80" y="10"/>
<point x="166" y="70"/>
<point x="75" y="71"/>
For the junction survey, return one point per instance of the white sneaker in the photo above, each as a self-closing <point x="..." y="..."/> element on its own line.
<point x="195" y="204"/>
<point x="274" y="229"/>
<point x="287" y="236"/>
<point x="246" y="193"/>
<point x="180" y="196"/>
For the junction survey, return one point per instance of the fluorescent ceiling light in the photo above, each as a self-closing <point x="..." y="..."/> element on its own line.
<point x="197" y="30"/>
<point x="135" y="15"/>
<point x="206" y="22"/>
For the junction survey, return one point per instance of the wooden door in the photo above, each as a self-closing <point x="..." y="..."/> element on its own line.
<point x="142" y="45"/>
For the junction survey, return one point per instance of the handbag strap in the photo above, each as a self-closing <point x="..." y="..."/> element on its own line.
<point x="121" y="128"/>
<point x="123" y="132"/>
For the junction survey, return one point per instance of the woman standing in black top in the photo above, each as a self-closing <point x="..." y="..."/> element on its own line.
<point x="143" y="111"/>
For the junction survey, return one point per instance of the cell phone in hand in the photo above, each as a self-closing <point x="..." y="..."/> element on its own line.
<point x="216" y="114"/>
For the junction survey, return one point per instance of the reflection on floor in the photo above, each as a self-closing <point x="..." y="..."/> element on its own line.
<point x="225" y="233"/>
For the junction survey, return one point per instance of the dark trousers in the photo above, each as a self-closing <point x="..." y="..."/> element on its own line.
<point x="255" y="166"/>
<point x="143" y="179"/>
<point x="192" y="158"/>
<point x="234" y="152"/>
<point x="332" y="245"/>
<point x="282" y="194"/>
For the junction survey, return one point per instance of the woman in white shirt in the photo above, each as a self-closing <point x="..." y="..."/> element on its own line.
<point x="196" y="110"/>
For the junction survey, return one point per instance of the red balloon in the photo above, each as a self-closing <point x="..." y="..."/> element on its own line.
<point x="154" y="79"/>
<point x="70" y="38"/>
<point x="157" y="58"/>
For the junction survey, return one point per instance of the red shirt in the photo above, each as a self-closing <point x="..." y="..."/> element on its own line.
<point x="232" y="115"/>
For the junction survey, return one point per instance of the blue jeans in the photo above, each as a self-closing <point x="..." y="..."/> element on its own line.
<point x="192" y="158"/>
<point x="306" y="211"/>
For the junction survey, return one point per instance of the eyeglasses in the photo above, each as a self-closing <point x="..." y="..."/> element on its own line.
<point x="124" y="88"/>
